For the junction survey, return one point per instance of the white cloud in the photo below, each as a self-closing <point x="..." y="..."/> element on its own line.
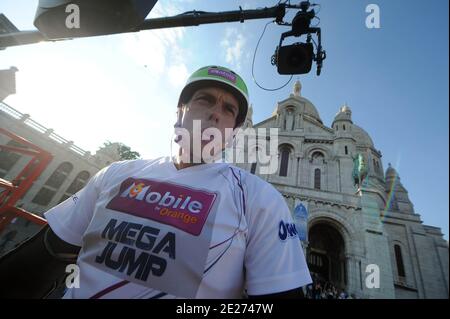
<point x="234" y="44"/>
<point x="178" y="75"/>
<point x="163" y="10"/>
<point x="159" y="50"/>
<point x="147" y="50"/>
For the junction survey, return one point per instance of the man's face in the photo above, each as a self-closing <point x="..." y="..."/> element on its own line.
<point x="213" y="108"/>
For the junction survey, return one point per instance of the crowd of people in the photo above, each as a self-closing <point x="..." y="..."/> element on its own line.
<point x="322" y="289"/>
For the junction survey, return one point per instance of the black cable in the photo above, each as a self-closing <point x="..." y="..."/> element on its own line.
<point x="316" y="13"/>
<point x="314" y="42"/>
<point x="317" y="5"/>
<point x="318" y="22"/>
<point x="253" y="63"/>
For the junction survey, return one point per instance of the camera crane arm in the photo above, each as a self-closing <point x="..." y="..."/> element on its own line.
<point x="300" y="25"/>
<point x="196" y="18"/>
<point x="187" y="19"/>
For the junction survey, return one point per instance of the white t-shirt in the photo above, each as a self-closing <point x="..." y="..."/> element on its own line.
<point x="148" y="230"/>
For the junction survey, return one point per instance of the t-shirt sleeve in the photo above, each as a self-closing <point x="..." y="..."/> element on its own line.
<point x="70" y="219"/>
<point x="274" y="260"/>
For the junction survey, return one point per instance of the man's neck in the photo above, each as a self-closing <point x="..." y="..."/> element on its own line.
<point x="180" y="165"/>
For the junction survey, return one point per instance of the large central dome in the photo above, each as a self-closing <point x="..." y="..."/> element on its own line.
<point x="303" y="105"/>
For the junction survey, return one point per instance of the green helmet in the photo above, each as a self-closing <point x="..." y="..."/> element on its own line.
<point x="218" y="76"/>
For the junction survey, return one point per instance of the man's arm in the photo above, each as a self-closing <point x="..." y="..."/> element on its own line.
<point x="36" y="267"/>
<point x="274" y="260"/>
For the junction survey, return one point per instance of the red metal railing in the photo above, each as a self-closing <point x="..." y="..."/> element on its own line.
<point x="15" y="189"/>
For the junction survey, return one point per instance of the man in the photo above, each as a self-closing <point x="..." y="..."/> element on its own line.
<point x="190" y="226"/>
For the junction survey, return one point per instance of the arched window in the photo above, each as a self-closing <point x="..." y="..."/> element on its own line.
<point x="284" y="160"/>
<point x="253" y="168"/>
<point x="317" y="158"/>
<point x="77" y="184"/>
<point x="317" y="178"/>
<point x="53" y="183"/>
<point x="376" y="166"/>
<point x="343" y="126"/>
<point x="59" y="175"/>
<point x="346" y="150"/>
<point x="399" y="260"/>
<point x="8" y="159"/>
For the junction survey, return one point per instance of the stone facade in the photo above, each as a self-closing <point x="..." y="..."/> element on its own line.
<point x="352" y="225"/>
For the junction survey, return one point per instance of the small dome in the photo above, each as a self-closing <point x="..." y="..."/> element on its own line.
<point x="391" y="172"/>
<point x="393" y="182"/>
<point x="361" y="136"/>
<point x="344" y="114"/>
<point x="342" y="117"/>
<point x="345" y="109"/>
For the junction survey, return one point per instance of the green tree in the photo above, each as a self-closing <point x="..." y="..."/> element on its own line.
<point x="125" y="151"/>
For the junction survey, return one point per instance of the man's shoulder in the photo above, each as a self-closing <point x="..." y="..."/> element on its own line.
<point x="138" y="163"/>
<point x="132" y="166"/>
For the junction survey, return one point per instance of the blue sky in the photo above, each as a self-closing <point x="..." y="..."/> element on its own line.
<point x="125" y="87"/>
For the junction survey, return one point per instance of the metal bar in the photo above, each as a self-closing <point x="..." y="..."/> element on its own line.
<point x="6" y="184"/>
<point x="193" y="18"/>
<point x="23" y="181"/>
<point x="44" y="160"/>
<point x="28" y="216"/>
<point x="21" y="140"/>
<point x="5" y="219"/>
<point x="198" y="17"/>
<point x="20" y="38"/>
<point x="18" y="150"/>
<point x="10" y="110"/>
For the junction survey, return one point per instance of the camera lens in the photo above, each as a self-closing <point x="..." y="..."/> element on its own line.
<point x="295" y="59"/>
